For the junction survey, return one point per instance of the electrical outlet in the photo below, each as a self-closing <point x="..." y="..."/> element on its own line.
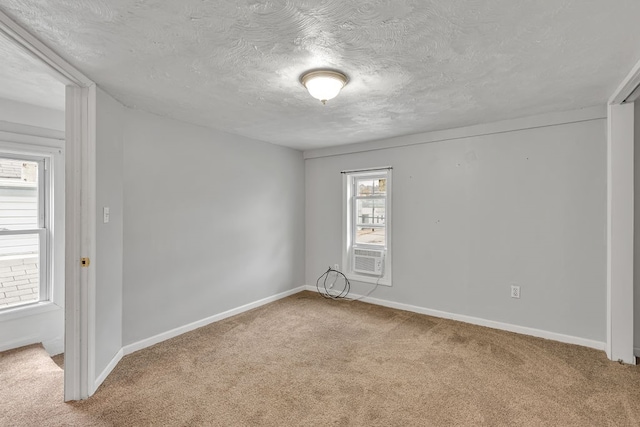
<point x="515" y="291"/>
<point x="336" y="267"/>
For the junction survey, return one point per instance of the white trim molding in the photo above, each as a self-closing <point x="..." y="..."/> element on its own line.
<point x="148" y="342"/>
<point x="620" y="220"/>
<point x="80" y="242"/>
<point x="60" y="68"/>
<point x="88" y="226"/>
<point x="75" y="370"/>
<point x="107" y="370"/>
<point x="627" y="86"/>
<point x="524" y="330"/>
<point x="620" y="212"/>
<point x="27" y="310"/>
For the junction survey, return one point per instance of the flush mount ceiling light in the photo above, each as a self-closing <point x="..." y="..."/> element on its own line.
<point x="323" y="84"/>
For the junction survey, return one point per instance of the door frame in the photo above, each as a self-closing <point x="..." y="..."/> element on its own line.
<point x="620" y="220"/>
<point x="80" y="142"/>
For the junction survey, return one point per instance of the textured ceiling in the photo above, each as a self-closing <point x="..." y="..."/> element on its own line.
<point x="25" y="79"/>
<point x="414" y="66"/>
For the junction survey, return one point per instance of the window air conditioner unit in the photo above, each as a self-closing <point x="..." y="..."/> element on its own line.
<point x="368" y="261"/>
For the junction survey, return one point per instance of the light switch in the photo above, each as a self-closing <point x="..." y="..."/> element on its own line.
<point x="105" y="215"/>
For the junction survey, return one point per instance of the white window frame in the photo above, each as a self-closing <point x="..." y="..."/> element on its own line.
<point x="349" y="224"/>
<point x="51" y="281"/>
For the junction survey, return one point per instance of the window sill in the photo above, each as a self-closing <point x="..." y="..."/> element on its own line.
<point x="27" y="310"/>
<point x="383" y="281"/>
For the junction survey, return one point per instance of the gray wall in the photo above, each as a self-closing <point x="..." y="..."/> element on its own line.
<point x="31" y="115"/>
<point x="108" y="260"/>
<point x="472" y="216"/>
<point x="212" y="221"/>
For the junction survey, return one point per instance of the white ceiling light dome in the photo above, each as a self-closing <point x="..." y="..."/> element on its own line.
<point x="324" y="84"/>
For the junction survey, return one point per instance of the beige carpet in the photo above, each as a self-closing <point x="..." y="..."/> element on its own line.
<point x="307" y="361"/>
<point x="59" y="360"/>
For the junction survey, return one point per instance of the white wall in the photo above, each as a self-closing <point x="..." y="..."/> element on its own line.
<point x="212" y="221"/>
<point x="31" y="115"/>
<point x="108" y="260"/>
<point x="44" y="324"/>
<point x="474" y="215"/>
<point x="39" y="327"/>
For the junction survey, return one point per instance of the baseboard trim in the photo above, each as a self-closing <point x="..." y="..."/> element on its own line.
<point x="107" y="370"/>
<point x="568" y="339"/>
<point x="636" y="351"/>
<point x="147" y="342"/>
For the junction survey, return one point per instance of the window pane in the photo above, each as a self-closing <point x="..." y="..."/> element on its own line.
<point x="19" y="269"/>
<point x="370" y="187"/>
<point x="370" y="235"/>
<point x="370" y="211"/>
<point x="18" y="194"/>
<point x="364" y="187"/>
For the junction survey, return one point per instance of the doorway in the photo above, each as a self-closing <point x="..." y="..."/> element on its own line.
<point x="32" y="122"/>
<point x="35" y="83"/>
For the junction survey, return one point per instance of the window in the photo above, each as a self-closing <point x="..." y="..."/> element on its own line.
<point x="24" y="236"/>
<point x="366" y="226"/>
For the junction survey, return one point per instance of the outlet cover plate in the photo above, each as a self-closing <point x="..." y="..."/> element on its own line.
<point x="515" y="291"/>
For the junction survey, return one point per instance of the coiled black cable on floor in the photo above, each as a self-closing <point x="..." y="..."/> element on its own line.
<point x="330" y="291"/>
